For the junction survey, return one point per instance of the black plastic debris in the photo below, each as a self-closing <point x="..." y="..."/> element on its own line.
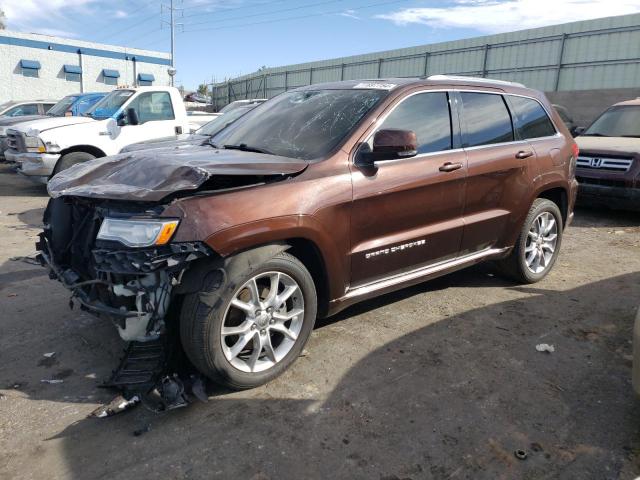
<point x="118" y="405"/>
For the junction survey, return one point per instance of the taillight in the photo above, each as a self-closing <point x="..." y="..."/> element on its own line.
<point x="574" y="160"/>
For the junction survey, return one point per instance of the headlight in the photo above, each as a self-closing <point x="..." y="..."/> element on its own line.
<point x="34" y="144"/>
<point x="138" y="233"/>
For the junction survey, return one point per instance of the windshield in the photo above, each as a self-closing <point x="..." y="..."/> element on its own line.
<point x="305" y="124"/>
<point x="60" y="108"/>
<point x="217" y="124"/>
<point x="110" y="104"/>
<point x="617" y="122"/>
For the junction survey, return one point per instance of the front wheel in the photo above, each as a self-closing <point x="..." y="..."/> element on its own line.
<point x="246" y="329"/>
<point x="538" y="245"/>
<point x="70" y="159"/>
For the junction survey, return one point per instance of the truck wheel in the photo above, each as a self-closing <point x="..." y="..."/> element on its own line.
<point x="70" y="159"/>
<point x="246" y="328"/>
<point x="537" y="246"/>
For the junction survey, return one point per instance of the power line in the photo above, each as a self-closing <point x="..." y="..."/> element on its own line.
<point x="299" y="17"/>
<point x="300" y="7"/>
<point x="145" y="20"/>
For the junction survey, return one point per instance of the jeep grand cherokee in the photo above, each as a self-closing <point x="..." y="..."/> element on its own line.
<point x="323" y="196"/>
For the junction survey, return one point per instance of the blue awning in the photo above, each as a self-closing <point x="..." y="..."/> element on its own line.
<point x="110" y="73"/>
<point x="146" y="77"/>
<point x="30" y="64"/>
<point x="72" y="69"/>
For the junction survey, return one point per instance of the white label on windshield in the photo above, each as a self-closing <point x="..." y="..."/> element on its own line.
<point x="375" y="85"/>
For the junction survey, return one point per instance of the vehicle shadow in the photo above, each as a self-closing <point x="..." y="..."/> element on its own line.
<point x="14" y="185"/>
<point x="453" y="399"/>
<point x="599" y="217"/>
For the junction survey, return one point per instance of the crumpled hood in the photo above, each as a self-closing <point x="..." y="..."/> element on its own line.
<point x="626" y="145"/>
<point x="47" y="123"/>
<point x="151" y="175"/>
<point x="189" y="141"/>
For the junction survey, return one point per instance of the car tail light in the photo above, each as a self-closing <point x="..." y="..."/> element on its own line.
<point x="574" y="160"/>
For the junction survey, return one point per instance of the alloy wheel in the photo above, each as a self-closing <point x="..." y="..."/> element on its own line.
<point x="542" y="240"/>
<point x="262" y="322"/>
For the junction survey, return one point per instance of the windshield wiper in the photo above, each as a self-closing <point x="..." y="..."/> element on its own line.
<point x="630" y="136"/>
<point x="246" y="148"/>
<point x="594" y="135"/>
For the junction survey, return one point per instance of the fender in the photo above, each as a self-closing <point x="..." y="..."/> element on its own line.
<point x="279" y="229"/>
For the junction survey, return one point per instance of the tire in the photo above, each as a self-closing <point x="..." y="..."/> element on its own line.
<point x="70" y="159"/>
<point x="205" y="314"/>
<point x="516" y="265"/>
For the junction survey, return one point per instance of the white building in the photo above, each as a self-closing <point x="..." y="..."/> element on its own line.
<point x="43" y="67"/>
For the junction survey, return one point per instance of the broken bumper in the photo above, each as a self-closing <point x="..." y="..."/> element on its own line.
<point x="131" y="287"/>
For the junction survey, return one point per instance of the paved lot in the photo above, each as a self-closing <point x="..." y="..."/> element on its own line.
<point x="438" y="381"/>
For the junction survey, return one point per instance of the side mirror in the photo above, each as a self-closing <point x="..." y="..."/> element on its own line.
<point x="132" y="116"/>
<point x="575" y="131"/>
<point x="391" y="144"/>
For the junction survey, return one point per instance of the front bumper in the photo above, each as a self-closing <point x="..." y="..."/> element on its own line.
<point x="36" y="164"/>
<point x="130" y="287"/>
<point x="611" y="197"/>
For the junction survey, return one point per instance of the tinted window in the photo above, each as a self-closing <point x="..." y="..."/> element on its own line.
<point x="305" y="124"/>
<point x="47" y="106"/>
<point x="427" y="114"/>
<point x="28" y="109"/>
<point x="153" y="106"/>
<point x="62" y="106"/>
<point x="486" y="118"/>
<point x="530" y="118"/>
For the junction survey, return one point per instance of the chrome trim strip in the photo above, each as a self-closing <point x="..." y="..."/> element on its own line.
<point x="419" y="272"/>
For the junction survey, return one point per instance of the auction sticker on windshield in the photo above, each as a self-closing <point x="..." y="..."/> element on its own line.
<point x="375" y="85"/>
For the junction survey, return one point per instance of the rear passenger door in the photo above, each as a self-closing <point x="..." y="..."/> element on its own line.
<point x="499" y="170"/>
<point x="408" y="212"/>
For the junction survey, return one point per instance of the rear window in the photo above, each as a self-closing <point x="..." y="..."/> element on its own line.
<point x="531" y="120"/>
<point x="486" y="118"/>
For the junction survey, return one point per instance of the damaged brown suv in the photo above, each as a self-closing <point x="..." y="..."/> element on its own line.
<point x="319" y="198"/>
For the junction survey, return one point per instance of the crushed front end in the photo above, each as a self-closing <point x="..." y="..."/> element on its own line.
<point x="117" y="260"/>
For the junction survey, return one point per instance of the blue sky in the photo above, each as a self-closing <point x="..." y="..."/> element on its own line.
<point x="225" y="38"/>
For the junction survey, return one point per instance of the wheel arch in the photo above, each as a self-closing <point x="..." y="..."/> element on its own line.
<point x="93" y="150"/>
<point x="559" y="196"/>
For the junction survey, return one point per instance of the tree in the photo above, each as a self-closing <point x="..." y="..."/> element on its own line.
<point x="203" y="89"/>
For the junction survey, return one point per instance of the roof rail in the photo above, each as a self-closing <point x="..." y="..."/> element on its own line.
<point x="462" y="78"/>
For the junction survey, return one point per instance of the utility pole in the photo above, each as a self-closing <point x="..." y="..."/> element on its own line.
<point x="172" y="25"/>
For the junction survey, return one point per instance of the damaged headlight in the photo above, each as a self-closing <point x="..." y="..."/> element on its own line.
<point x="138" y="233"/>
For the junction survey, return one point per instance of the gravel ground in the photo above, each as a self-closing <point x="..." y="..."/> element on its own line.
<point x="439" y="381"/>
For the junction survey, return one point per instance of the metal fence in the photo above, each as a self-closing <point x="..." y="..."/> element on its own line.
<point x="569" y="60"/>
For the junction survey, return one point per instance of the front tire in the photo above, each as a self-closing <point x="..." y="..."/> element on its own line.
<point x="246" y="329"/>
<point x="71" y="159"/>
<point x="538" y="245"/>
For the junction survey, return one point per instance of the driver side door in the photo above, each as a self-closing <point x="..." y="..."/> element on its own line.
<point x="156" y="119"/>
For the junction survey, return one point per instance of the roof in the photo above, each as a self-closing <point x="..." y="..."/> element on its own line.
<point x="634" y="102"/>
<point x="434" y="80"/>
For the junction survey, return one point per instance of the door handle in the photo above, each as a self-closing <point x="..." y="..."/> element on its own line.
<point x="450" y="167"/>
<point x="524" y="154"/>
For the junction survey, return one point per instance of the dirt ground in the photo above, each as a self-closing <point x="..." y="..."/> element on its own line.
<point x="439" y="381"/>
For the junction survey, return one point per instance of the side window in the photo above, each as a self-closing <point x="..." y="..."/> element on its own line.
<point x="531" y="120"/>
<point x="427" y="114"/>
<point x="486" y="118"/>
<point x="153" y="107"/>
<point x="27" y="109"/>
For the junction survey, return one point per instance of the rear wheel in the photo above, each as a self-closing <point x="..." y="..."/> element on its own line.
<point x="538" y="245"/>
<point x="70" y="159"/>
<point x="245" y="330"/>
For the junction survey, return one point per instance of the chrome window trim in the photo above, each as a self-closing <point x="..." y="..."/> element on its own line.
<point x="376" y="123"/>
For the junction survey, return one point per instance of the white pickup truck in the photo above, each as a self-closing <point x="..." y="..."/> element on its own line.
<point x="47" y="146"/>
